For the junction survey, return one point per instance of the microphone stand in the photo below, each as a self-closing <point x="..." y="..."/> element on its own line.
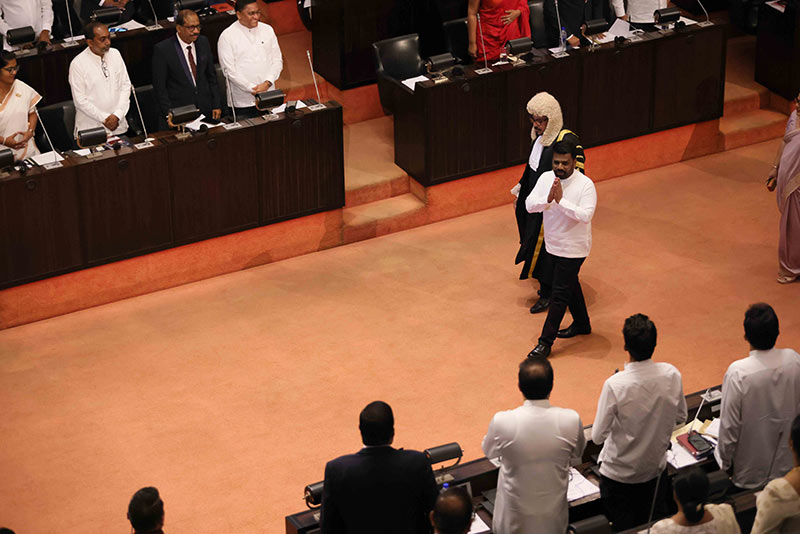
<point x="319" y="105"/>
<point x="148" y="141"/>
<point x="55" y="163"/>
<point x="71" y="40"/>
<point x="235" y="124"/>
<point x="485" y="69"/>
<point x="562" y="46"/>
<point x="155" y="26"/>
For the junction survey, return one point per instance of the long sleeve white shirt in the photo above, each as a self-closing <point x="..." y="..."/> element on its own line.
<point x="568" y="223"/>
<point x="638" y="10"/>
<point x="637" y="411"/>
<point x="249" y="57"/>
<point x="98" y="93"/>
<point x="20" y="13"/>
<point x="760" y="398"/>
<point x="536" y="443"/>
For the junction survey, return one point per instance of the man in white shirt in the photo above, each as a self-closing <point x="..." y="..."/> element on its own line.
<point x="100" y="85"/>
<point x="567" y="200"/>
<point x="37" y="14"/>
<point x="760" y="398"/>
<point x="250" y="58"/>
<point x="636" y="414"/>
<point x="639" y="11"/>
<point x="536" y="443"/>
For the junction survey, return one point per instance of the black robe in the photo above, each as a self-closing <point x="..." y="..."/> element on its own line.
<point x="532" y="252"/>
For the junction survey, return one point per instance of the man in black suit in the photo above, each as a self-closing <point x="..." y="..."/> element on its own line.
<point x="574" y="13"/>
<point x="183" y="70"/>
<point x="380" y="488"/>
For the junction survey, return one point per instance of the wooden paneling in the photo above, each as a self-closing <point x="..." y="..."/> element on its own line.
<point x="214" y="184"/>
<point x="39" y="217"/>
<point x="125" y="204"/>
<point x="778" y="50"/>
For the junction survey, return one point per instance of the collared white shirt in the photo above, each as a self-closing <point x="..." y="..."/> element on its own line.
<point x="568" y="223"/>
<point x="760" y="398"/>
<point x="637" y="411"/>
<point x="20" y="13"/>
<point x="185" y="48"/>
<point x="536" y="444"/>
<point x="249" y="57"/>
<point x="638" y="10"/>
<point x="98" y="93"/>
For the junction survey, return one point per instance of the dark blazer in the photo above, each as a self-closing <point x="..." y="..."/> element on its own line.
<point x="378" y="489"/>
<point x="172" y="79"/>
<point x="573" y="14"/>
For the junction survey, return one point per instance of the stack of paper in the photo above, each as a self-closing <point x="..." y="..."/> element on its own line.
<point x="478" y="526"/>
<point x="412" y="82"/>
<point x="579" y="486"/>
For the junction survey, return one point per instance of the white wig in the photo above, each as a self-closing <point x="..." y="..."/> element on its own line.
<point x="544" y="105"/>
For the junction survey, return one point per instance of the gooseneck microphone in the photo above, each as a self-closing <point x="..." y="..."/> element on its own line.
<point x="148" y="141"/>
<point x="319" y="104"/>
<point x="55" y="163"/>
<point x="155" y="25"/>
<point x="485" y="69"/>
<point x="71" y="41"/>
<point x="235" y="123"/>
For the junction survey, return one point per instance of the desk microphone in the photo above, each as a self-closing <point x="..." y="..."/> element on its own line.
<point x="319" y="104"/>
<point x="235" y="123"/>
<point x="708" y="19"/>
<point x="71" y="41"/>
<point x="560" y="28"/>
<point x="55" y="164"/>
<point x="155" y="25"/>
<point x="148" y="141"/>
<point x="485" y="69"/>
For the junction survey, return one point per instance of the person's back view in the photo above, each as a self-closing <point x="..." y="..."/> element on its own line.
<point x="380" y="488"/>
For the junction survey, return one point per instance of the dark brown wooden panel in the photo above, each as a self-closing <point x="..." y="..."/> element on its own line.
<point x="214" y="184"/>
<point x="125" y="202"/>
<point x="778" y="50"/>
<point x="301" y="164"/>
<point x="616" y="93"/>
<point x="689" y="77"/>
<point x="40" y="225"/>
<point x="561" y="79"/>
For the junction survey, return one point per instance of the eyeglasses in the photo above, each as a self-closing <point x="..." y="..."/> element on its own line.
<point x="194" y="27"/>
<point x="538" y="120"/>
<point x="104" y="66"/>
<point x="254" y="13"/>
<point x="11" y="70"/>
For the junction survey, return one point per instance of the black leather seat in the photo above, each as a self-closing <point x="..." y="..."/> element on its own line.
<point x="59" y="119"/>
<point x="538" y="30"/>
<point x="457" y="39"/>
<point x="222" y="84"/>
<point x="150" y="111"/>
<point x="397" y="59"/>
<point x="593" y="525"/>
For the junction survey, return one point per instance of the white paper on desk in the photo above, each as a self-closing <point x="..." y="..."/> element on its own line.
<point x="83" y="151"/>
<point x="713" y="428"/>
<point x="198" y="122"/>
<point x="621" y="28"/>
<point x="579" y="486"/>
<point x="679" y="457"/>
<point x="478" y="526"/>
<point x="131" y="25"/>
<point x="688" y="22"/>
<point x="412" y="82"/>
<point x="603" y="38"/>
<point x="282" y="107"/>
<point x="780" y="5"/>
<point x="47" y="157"/>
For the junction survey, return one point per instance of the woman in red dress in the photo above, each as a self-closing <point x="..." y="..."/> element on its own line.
<point x="501" y="21"/>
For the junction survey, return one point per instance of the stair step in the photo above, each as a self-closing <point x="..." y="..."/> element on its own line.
<point x="751" y="127"/>
<point x="369" y="169"/>
<point x="382" y="217"/>
<point x="741" y="99"/>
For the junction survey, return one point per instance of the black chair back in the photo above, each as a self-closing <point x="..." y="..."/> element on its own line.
<point x="457" y="39"/>
<point x="399" y="57"/>
<point x="538" y="31"/>
<point x="61" y="20"/>
<point x="150" y="111"/>
<point x="593" y="525"/>
<point x="222" y="83"/>
<point x="59" y="119"/>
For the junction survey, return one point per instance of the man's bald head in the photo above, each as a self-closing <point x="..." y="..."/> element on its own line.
<point x="535" y="378"/>
<point x="452" y="513"/>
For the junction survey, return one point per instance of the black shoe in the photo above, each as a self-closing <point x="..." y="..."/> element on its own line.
<point x="541" y="305"/>
<point x="540" y="351"/>
<point x="572" y="331"/>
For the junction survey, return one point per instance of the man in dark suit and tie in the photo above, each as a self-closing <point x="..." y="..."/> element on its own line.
<point x="183" y="70"/>
<point x="380" y="488"/>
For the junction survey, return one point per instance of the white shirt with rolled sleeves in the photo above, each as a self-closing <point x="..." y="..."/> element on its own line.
<point x="760" y="398"/>
<point x="249" y="57"/>
<point x="96" y="96"/>
<point x="636" y="414"/>
<point x="568" y="223"/>
<point x="37" y="14"/>
<point x="536" y="444"/>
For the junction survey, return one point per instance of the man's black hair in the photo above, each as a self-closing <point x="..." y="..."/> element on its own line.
<point x="146" y="511"/>
<point x="640" y="336"/>
<point x="452" y="513"/>
<point x="376" y="423"/>
<point x="535" y="378"/>
<point x="761" y="326"/>
<point x="568" y="145"/>
<point x="241" y="4"/>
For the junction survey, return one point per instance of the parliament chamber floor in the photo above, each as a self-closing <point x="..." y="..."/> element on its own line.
<point x="227" y="372"/>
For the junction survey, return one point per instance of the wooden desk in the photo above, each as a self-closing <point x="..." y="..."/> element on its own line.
<point x="48" y="71"/>
<point x="778" y="50"/>
<point x="474" y="124"/>
<point x="131" y="202"/>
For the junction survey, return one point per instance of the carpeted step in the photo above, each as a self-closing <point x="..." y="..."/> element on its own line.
<point x="382" y="217"/>
<point x="369" y="170"/>
<point x="751" y="127"/>
<point x="742" y="99"/>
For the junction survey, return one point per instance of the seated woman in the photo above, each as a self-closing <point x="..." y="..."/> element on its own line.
<point x="501" y="21"/>
<point x="17" y="116"/>
<point x="690" y="491"/>
<point x="779" y="504"/>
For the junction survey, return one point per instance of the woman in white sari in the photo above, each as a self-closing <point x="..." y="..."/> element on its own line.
<point x="17" y="116"/>
<point x="785" y="176"/>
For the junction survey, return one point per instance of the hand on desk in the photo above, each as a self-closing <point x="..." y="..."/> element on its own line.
<point x="111" y="122"/>
<point x="574" y="41"/>
<point x="44" y="37"/>
<point x="261" y="87"/>
<point x="216" y="114"/>
<point x="510" y="16"/>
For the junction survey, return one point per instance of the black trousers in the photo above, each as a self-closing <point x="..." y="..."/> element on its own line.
<point x="628" y="505"/>
<point x="566" y="293"/>
<point x="247" y="113"/>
